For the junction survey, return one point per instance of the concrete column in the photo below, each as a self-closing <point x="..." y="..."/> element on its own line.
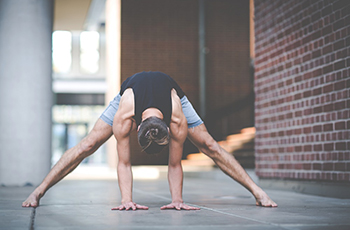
<point x="113" y="68"/>
<point x="25" y="90"/>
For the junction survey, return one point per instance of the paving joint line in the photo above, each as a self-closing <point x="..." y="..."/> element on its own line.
<point x="210" y="209"/>
<point x="32" y="219"/>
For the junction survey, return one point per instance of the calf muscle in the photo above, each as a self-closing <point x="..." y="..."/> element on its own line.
<point x="70" y="160"/>
<point x="227" y="163"/>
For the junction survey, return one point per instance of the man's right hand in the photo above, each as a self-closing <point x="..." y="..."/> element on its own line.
<point x="130" y="206"/>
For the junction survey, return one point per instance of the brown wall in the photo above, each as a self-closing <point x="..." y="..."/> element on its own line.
<point x="228" y="67"/>
<point x="162" y="36"/>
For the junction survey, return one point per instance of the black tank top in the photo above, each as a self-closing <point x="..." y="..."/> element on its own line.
<point x="152" y="90"/>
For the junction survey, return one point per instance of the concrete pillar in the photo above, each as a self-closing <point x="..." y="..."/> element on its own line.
<point x="25" y="90"/>
<point x="113" y="66"/>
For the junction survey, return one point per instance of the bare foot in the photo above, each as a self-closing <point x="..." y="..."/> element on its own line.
<point x="32" y="200"/>
<point x="264" y="200"/>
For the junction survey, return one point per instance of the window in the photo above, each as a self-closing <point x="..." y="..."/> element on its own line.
<point x="89" y="52"/>
<point x="61" y="51"/>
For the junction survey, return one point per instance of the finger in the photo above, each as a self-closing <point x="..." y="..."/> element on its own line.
<point x="169" y="206"/>
<point x="191" y="208"/>
<point x="187" y="207"/>
<point x="141" y="207"/>
<point x="118" y="208"/>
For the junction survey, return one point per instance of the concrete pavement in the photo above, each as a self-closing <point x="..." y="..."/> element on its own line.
<point x="86" y="204"/>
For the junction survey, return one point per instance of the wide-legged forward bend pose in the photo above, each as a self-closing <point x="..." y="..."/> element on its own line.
<point x="153" y="104"/>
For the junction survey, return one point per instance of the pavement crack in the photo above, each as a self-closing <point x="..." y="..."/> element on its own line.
<point x="32" y="219"/>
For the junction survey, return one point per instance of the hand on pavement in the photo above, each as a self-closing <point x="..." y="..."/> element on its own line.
<point x="130" y="206"/>
<point x="179" y="206"/>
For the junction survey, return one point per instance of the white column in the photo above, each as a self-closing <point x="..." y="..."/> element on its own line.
<point x="25" y="90"/>
<point x="113" y="71"/>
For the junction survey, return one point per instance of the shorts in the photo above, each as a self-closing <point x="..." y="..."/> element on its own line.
<point x="193" y="120"/>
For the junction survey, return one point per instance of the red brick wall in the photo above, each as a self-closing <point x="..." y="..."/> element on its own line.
<point x="302" y="89"/>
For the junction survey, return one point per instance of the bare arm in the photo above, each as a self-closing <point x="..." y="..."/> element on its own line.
<point x="123" y="124"/>
<point x="178" y="134"/>
<point x="175" y="172"/>
<point x="125" y="178"/>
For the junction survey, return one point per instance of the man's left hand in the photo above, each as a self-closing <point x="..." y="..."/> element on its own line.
<point x="130" y="206"/>
<point x="179" y="206"/>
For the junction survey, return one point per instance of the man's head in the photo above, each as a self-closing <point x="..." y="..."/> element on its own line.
<point x="153" y="135"/>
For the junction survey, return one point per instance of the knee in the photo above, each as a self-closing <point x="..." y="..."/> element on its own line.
<point x="86" y="147"/>
<point x="211" y="148"/>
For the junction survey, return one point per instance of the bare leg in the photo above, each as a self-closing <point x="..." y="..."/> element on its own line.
<point x="70" y="160"/>
<point x="227" y="163"/>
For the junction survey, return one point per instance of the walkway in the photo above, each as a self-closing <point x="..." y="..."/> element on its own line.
<point x="86" y="204"/>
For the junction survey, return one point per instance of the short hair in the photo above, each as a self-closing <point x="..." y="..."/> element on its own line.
<point x="153" y="135"/>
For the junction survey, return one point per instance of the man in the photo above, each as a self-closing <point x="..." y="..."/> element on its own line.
<point x="143" y="96"/>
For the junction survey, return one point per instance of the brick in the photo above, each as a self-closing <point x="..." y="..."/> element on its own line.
<point x="298" y="149"/>
<point x="328" y="88"/>
<point x="342" y="54"/>
<point x="340" y="105"/>
<point x="338" y="24"/>
<point x="327" y="69"/>
<point x="340" y="166"/>
<point x="318" y="109"/>
<point x="339" y="65"/>
<point x="307" y="94"/>
<point x="340" y="125"/>
<point x="316" y="91"/>
<point x="328" y="146"/>
<point x="317" y="166"/>
<point x="307" y="130"/>
<point x="328" y="107"/>
<point x="340" y="85"/>
<point x="328" y="167"/>
<point x="316" y="54"/>
<point x="327" y="49"/>
<point x="328" y="127"/>
<point x="298" y="114"/>
<point x="340" y="146"/>
<point x="308" y="148"/>
<point x="298" y="166"/>
<point x="307" y="57"/>
<point x="307" y="166"/>
<point x="338" y="45"/>
<point x="317" y="128"/>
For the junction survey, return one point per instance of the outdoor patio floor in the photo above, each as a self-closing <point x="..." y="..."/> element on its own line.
<point x="86" y="204"/>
